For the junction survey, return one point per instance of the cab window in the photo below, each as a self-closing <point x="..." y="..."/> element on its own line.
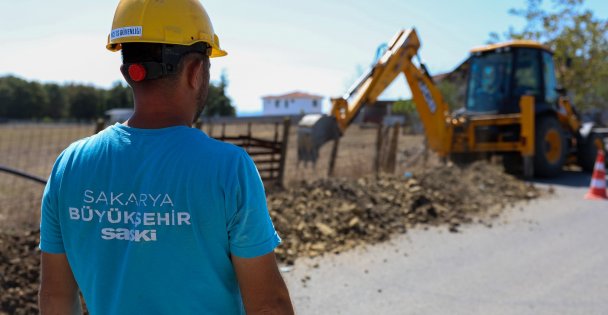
<point x="488" y="81"/>
<point x="527" y="74"/>
<point x="551" y="95"/>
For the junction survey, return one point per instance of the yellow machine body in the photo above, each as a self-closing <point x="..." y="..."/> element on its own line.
<point x="446" y="133"/>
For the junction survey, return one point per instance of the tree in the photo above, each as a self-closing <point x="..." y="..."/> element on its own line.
<point x="406" y="107"/>
<point x="218" y="103"/>
<point x="57" y="105"/>
<point x="453" y="92"/>
<point x="21" y="99"/>
<point x="119" y="96"/>
<point x="34" y="99"/>
<point x="580" y="42"/>
<point x="85" y="102"/>
<point x="6" y="96"/>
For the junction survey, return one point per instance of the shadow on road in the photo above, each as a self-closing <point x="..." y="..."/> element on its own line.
<point x="567" y="178"/>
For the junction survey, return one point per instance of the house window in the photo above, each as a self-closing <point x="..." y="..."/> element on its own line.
<point x="276" y="103"/>
<point x="286" y="103"/>
<point x="314" y="103"/>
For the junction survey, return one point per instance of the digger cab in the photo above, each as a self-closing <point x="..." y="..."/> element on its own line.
<point x="499" y="75"/>
<point x="513" y="108"/>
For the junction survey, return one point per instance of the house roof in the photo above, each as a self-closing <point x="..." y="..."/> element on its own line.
<point x="291" y="95"/>
<point x="459" y="72"/>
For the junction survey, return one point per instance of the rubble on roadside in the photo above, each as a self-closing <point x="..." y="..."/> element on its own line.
<point x="338" y="214"/>
<point x="19" y="272"/>
<point x="326" y="216"/>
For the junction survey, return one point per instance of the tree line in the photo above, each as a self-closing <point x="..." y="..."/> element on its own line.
<point x="579" y="39"/>
<point x="23" y="100"/>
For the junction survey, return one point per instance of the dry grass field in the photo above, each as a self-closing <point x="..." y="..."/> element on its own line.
<point x="33" y="148"/>
<point x="30" y="147"/>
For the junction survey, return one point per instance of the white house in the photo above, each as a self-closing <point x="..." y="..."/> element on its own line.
<point x="295" y="103"/>
<point x="118" y="115"/>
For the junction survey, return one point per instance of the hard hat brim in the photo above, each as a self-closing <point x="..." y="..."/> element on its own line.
<point x="215" y="52"/>
<point x="175" y="22"/>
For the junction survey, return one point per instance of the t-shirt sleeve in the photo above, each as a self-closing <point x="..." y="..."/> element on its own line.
<point x="250" y="229"/>
<point x="51" y="240"/>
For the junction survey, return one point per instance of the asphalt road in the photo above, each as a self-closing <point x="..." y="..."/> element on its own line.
<point x="549" y="256"/>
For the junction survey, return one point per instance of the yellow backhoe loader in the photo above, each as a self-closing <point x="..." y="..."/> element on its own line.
<point x="513" y="107"/>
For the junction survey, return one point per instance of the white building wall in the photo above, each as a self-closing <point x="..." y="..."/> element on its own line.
<point x="296" y="106"/>
<point x="118" y="115"/>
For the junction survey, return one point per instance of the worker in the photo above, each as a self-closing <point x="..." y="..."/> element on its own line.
<point x="152" y="216"/>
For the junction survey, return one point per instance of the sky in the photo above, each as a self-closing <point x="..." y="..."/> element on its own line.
<point x="274" y="47"/>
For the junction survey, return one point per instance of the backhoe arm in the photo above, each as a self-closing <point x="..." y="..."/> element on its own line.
<point x="315" y="130"/>
<point x="398" y="59"/>
<point x="376" y="80"/>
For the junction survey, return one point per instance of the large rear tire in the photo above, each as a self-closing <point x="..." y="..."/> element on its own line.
<point x="587" y="151"/>
<point x="551" y="147"/>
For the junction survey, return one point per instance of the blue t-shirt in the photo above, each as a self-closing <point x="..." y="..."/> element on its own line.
<point x="149" y="218"/>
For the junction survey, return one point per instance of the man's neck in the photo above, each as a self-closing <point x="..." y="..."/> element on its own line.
<point x="146" y="122"/>
<point x="157" y="112"/>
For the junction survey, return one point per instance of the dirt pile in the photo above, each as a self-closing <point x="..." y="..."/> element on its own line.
<point x="334" y="215"/>
<point x="19" y="262"/>
<point x="328" y="215"/>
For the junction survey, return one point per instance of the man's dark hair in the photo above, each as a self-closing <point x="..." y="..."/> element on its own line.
<point x="141" y="52"/>
<point x="169" y="56"/>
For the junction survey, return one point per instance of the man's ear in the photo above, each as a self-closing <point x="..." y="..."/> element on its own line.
<point x="194" y="75"/>
<point x="125" y="73"/>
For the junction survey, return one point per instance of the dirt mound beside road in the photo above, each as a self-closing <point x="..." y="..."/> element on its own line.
<point x="19" y="272"/>
<point x="328" y="215"/>
<point x="334" y="215"/>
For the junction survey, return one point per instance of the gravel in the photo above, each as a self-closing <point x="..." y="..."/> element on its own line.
<point x="326" y="216"/>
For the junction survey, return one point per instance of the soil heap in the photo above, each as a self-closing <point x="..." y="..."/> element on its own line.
<point x="337" y="214"/>
<point x="327" y="215"/>
<point x="19" y="272"/>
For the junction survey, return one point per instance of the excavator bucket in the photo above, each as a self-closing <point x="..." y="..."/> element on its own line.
<point x="314" y="130"/>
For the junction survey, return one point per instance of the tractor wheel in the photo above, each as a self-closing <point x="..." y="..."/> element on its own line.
<point x="550" y="147"/>
<point x="587" y="151"/>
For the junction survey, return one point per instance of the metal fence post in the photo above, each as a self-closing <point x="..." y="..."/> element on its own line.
<point x="377" y="156"/>
<point x="332" y="158"/>
<point x="210" y="129"/>
<point x="198" y="124"/>
<point x="99" y="125"/>
<point x="286" y="126"/>
<point x="392" y="153"/>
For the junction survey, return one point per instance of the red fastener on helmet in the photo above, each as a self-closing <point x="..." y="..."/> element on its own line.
<point x="137" y="72"/>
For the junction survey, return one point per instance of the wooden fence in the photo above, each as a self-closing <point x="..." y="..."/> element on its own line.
<point x="269" y="155"/>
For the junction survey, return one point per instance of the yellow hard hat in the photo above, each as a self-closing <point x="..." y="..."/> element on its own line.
<point x="177" y="22"/>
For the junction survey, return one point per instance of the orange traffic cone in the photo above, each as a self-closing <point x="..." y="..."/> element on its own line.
<point x="598" y="180"/>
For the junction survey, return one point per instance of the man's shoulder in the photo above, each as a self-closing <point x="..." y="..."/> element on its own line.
<point x="87" y="147"/>
<point x="76" y="147"/>
<point x="86" y="143"/>
<point x="191" y="144"/>
<point x="204" y="143"/>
